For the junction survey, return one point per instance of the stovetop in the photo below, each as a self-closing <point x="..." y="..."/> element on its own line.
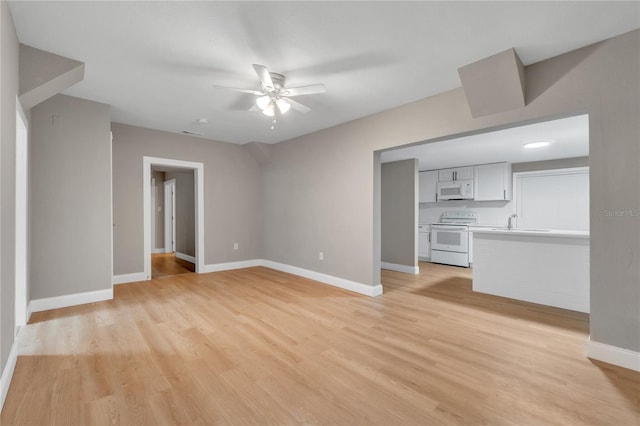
<point x="461" y="218"/>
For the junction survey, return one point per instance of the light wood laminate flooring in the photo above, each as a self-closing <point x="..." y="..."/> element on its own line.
<point x="167" y="264"/>
<point x="257" y="346"/>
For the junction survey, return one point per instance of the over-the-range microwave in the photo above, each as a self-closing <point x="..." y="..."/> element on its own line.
<point x="456" y="190"/>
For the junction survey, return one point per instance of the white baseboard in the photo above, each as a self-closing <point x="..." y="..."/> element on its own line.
<point x="217" y="267"/>
<point x="157" y="250"/>
<point x="7" y="372"/>
<point x="45" y="304"/>
<point x="317" y="276"/>
<point x="327" y="279"/>
<point x="186" y="257"/>
<point x="415" y="270"/>
<point x="128" y="278"/>
<point x="614" y="355"/>
<point x="29" y="312"/>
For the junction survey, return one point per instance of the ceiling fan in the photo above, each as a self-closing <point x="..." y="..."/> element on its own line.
<point x="275" y="98"/>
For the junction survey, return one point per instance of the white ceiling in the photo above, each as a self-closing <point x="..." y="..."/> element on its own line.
<point x="156" y="63"/>
<point x="568" y="137"/>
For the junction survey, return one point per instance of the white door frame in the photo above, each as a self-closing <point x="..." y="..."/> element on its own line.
<point x="21" y="211"/>
<point x="198" y="170"/>
<point x="153" y="215"/>
<point x="170" y="216"/>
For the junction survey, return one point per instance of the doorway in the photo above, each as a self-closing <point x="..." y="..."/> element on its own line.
<point x="495" y="155"/>
<point x="174" y="233"/>
<point x="193" y="261"/>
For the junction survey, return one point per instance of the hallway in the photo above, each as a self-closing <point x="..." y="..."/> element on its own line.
<point x="167" y="264"/>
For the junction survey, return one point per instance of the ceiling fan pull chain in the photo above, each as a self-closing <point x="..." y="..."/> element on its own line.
<point x="273" y="123"/>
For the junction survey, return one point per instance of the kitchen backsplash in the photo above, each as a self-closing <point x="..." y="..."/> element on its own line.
<point x="489" y="212"/>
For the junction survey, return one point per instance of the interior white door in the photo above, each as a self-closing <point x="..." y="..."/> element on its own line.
<point x="153" y="214"/>
<point x="170" y="216"/>
<point x="21" y="221"/>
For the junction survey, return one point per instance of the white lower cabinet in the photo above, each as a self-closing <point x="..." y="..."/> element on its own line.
<point x="424" y="242"/>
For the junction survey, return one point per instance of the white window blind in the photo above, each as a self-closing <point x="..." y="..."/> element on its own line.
<point x="553" y="199"/>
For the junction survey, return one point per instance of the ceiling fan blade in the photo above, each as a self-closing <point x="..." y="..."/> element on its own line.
<point x="298" y="106"/>
<point x="254" y="109"/>
<point x="235" y="89"/>
<point x="305" y="90"/>
<point x="263" y="75"/>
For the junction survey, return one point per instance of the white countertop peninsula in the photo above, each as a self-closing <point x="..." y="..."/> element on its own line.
<point x="488" y="229"/>
<point x="550" y="267"/>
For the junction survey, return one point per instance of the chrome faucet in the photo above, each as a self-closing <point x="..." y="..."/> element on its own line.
<point x="510" y="223"/>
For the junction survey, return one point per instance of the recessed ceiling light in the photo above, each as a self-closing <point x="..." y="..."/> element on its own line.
<point x="536" y="144"/>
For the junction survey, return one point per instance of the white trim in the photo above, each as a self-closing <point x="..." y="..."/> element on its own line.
<point x="327" y="279"/>
<point x="153" y="211"/>
<point x="128" y="278"/>
<point x="614" y="355"/>
<point x="217" y="267"/>
<point x="45" y="304"/>
<point x="198" y="171"/>
<point x="415" y="270"/>
<point x="9" y="368"/>
<point x="111" y="202"/>
<point x="356" y="287"/>
<point x="21" y="225"/>
<point x="157" y="250"/>
<point x="186" y="257"/>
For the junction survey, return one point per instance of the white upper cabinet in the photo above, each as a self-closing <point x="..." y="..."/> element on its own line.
<point x="492" y="182"/>
<point x="427" y="186"/>
<point x="445" y="175"/>
<point x="464" y="173"/>
<point x="458" y="173"/>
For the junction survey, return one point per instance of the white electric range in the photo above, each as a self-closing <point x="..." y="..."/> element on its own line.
<point x="450" y="238"/>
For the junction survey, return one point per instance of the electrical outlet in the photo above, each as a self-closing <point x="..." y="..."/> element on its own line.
<point x="321" y="255"/>
<point x="235" y="246"/>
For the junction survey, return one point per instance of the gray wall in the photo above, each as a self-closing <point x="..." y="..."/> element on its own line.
<point x="159" y="209"/>
<point x="562" y="163"/>
<point x="185" y="212"/>
<point x="70" y="179"/>
<point x="319" y="188"/>
<point x="399" y="223"/>
<point x="319" y="197"/>
<point x="9" y="51"/>
<point x="232" y="194"/>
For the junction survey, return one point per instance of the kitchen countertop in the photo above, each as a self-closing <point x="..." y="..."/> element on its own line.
<point x="548" y="267"/>
<point x="485" y="229"/>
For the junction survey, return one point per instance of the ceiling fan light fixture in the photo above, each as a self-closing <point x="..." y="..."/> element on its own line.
<point x="283" y="106"/>
<point x="263" y="101"/>
<point x="269" y="110"/>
